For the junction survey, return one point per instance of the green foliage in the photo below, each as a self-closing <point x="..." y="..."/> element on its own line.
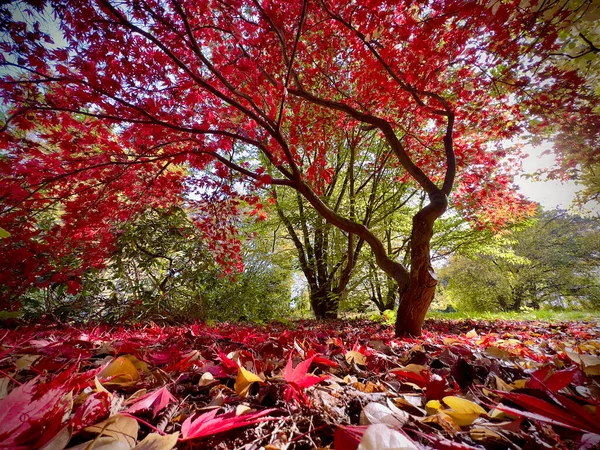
<point x="162" y="270"/>
<point x="554" y="263"/>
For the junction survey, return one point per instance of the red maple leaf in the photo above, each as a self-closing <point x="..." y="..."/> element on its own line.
<point x="208" y="424"/>
<point x="30" y="417"/>
<point x="298" y="379"/>
<point x="155" y="401"/>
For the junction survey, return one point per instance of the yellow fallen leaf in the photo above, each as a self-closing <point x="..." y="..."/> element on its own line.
<point x="502" y="385"/>
<point x="120" y="372"/>
<point x="100" y="387"/>
<point x="464" y="412"/>
<point x="414" y="368"/>
<point x="443" y="420"/>
<point x="518" y="384"/>
<point x="243" y="381"/>
<point x="26" y="361"/>
<point x="357" y="357"/>
<point x="432" y="406"/>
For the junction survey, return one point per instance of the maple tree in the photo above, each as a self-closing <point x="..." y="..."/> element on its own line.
<point x="147" y="100"/>
<point x="576" y="134"/>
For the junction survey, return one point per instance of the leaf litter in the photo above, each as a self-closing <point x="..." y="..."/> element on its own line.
<point x="330" y="385"/>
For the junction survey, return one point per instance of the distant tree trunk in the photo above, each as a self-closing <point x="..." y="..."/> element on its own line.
<point x="324" y="303"/>
<point x="418" y="294"/>
<point x="517" y="299"/>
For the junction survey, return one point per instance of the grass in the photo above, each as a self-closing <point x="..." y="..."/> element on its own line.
<point x="541" y="315"/>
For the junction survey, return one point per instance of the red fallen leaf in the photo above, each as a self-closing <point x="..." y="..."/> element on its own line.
<point x="162" y="357"/>
<point x="348" y="437"/>
<point x="321" y="359"/>
<point x="568" y="415"/>
<point x="94" y="409"/>
<point x="298" y="377"/>
<point x="535" y="416"/>
<point x="437" y="387"/>
<point x="229" y="365"/>
<point x="411" y="377"/>
<point x="207" y="424"/>
<point x="544" y="378"/>
<point x="156" y="401"/>
<point x="24" y="413"/>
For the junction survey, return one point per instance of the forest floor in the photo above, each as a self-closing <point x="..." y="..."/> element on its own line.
<point x="493" y="384"/>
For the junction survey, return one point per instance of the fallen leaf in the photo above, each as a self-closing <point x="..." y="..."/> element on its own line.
<point x="102" y="443"/>
<point x="155" y="441"/>
<point x="119" y="372"/>
<point x="298" y="378"/>
<point x="206" y="379"/>
<point x="155" y="401"/>
<point x="348" y="437"/>
<point x="244" y="380"/>
<point x="120" y="427"/>
<point x="464" y="412"/>
<point x="589" y="363"/>
<point x="60" y="441"/>
<point x="381" y="437"/>
<point x="31" y="416"/>
<point x="355" y="356"/>
<point x="374" y="413"/>
<point x="208" y="423"/>
<point x="432" y="406"/>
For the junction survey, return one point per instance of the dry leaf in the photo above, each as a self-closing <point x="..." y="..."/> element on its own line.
<point x="206" y="379"/>
<point x="155" y="441"/>
<point x="244" y="380"/>
<point x="119" y="372"/>
<point x="102" y="443"/>
<point x="382" y="437"/>
<point x="120" y="427"/>
<point x="589" y="363"/>
<point x="374" y="413"/>
<point x="357" y="357"/>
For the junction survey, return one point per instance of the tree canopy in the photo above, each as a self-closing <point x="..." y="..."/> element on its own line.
<point x="146" y="102"/>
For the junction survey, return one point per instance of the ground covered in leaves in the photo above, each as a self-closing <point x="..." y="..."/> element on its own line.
<point x="343" y="385"/>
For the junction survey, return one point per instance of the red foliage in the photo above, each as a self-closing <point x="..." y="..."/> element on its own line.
<point x="557" y="402"/>
<point x="138" y="106"/>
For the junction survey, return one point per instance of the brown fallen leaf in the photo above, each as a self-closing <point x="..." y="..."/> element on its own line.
<point x="120" y="427"/>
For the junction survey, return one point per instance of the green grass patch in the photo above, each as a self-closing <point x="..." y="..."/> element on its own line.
<point x="542" y="315"/>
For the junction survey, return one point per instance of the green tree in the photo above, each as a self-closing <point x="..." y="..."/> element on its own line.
<point x="162" y="268"/>
<point x="359" y="187"/>
<point x="554" y="262"/>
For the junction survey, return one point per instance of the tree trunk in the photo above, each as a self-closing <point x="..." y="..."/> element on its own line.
<point x="324" y="303"/>
<point x="418" y="294"/>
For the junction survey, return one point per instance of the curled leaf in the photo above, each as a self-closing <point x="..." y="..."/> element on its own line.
<point x="244" y="380"/>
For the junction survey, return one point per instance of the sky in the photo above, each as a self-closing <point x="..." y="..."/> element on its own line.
<point x="550" y="194"/>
